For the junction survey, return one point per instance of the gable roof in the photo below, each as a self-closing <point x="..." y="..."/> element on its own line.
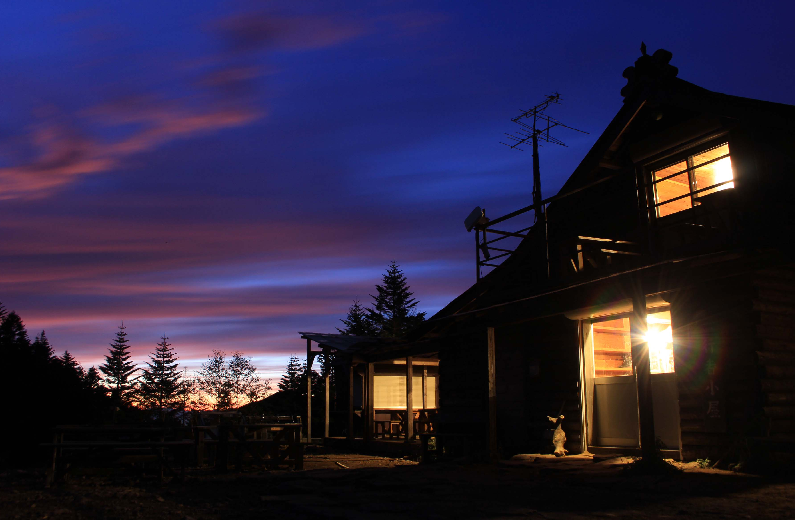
<point x="652" y="82"/>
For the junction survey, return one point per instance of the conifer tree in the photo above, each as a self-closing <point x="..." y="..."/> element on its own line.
<point x="291" y="380"/>
<point x="161" y="385"/>
<point x="117" y="367"/>
<point x="71" y="364"/>
<point x="395" y="309"/>
<point x="42" y="350"/>
<point x="13" y="335"/>
<point x="91" y="379"/>
<point x="358" y="322"/>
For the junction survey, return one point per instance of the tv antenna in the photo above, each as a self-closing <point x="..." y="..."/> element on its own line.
<point x="535" y="132"/>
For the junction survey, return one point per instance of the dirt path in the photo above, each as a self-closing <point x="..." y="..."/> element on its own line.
<point x="364" y="487"/>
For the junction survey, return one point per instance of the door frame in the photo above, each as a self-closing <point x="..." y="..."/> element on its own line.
<point x="587" y="380"/>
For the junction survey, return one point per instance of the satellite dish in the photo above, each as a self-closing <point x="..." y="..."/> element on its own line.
<point x="478" y="216"/>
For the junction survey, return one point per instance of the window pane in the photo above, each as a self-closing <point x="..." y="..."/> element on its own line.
<point x="714" y="172"/>
<point x="659" y="336"/>
<point x="672" y="188"/>
<point x="612" y="349"/>
<point x="390" y="392"/>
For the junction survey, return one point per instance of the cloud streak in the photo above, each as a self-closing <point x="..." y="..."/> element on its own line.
<point x="103" y="137"/>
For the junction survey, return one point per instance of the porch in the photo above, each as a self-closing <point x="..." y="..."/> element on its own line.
<point x="389" y="397"/>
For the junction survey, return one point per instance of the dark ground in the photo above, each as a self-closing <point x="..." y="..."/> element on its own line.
<point x="528" y="486"/>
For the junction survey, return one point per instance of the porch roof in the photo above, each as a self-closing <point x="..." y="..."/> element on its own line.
<point x="340" y="342"/>
<point x="369" y="348"/>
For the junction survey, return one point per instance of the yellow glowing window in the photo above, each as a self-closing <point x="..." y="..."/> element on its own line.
<point x="678" y="186"/>
<point x="612" y="345"/>
<point x="660" y="339"/>
<point x="612" y="349"/>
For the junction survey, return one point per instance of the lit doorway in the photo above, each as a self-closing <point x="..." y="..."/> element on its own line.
<point x="610" y="390"/>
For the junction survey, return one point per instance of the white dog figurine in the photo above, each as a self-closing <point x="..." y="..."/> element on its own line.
<point x="559" y="437"/>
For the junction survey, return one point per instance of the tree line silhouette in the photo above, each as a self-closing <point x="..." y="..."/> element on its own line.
<point x="43" y="390"/>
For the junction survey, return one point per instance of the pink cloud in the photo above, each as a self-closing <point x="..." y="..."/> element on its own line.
<point x="249" y="32"/>
<point x="223" y="97"/>
<point x="65" y="154"/>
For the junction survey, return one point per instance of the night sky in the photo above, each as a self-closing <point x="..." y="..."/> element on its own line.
<point x="229" y="173"/>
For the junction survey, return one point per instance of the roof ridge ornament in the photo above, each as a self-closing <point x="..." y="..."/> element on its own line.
<point x="648" y="69"/>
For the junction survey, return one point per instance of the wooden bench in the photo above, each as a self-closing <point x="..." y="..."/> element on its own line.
<point x="118" y="439"/>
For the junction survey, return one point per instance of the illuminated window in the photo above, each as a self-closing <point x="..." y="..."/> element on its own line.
<point x="678" y="186"/>
<point x="390" y="388"/>
<point x="660" y="338"/>
<point x="612" y="349"/>
<point x="612" y="345"/>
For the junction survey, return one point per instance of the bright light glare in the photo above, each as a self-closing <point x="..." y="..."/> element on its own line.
<point x="660" y="341"/>
<point x="723" y="172"/>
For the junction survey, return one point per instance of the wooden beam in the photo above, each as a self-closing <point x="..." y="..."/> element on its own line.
<point x="493" y="452"/>
<point x="308" y="390"/>
<point x="350" y="403"/>
<point x="370" y="409"/>
<point x="409" y="399"/>
<point x="328" y="402"/>
<point x="642" y="368"/>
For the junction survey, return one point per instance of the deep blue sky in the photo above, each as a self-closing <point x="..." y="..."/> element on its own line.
<point x="229" y="173"/>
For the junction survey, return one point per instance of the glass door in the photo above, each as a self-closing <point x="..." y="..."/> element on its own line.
<point x="611" y="391"/>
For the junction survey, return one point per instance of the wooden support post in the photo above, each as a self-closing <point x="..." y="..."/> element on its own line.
<point x="350" y="403"/>
<point x="493" y="451"/>
<point x="642" y="368"/>
<point x="424" y="388"/>
<point x="409" y="398"/>
<point x="370" y="408"/>
<point x="198" y="435"/>
<point x="308" y="390"/>
<point x="328" y="401"/>
<point x="222" y="448"/>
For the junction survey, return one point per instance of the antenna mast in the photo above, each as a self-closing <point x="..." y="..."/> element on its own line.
<point x="537" y="131"/>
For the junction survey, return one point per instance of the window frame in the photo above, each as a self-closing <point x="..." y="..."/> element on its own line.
<point x="685" y="155"/>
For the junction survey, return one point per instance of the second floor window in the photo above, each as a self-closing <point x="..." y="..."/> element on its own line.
<point x="678" y="186"/>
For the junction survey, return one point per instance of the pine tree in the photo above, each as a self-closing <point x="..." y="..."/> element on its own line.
<point x="13" y="335"/>
<point x="290" y="381"/>
<point x="117" y="367"/>
<point x="160" y="385"/>
<point x="357" y="322"/>
<point x="395" y="309"/>
<point x="71" y="364"/>
<point x="91" y="379"/>
<point x="42" y="350"/>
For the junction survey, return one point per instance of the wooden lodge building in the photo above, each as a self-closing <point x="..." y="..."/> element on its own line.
<point x="652" y="302"/>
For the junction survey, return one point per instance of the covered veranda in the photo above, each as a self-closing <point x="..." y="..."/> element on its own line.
<point x="389" y="389"/>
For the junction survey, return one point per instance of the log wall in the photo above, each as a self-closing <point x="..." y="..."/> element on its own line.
<point x="463" y="386"/>
<point x="537" y="373"/>
<point x="715" y="347"/>
<point x="774" y="310"/>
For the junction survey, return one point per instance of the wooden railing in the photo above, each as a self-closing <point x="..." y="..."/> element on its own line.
<point x="561" y="254"/>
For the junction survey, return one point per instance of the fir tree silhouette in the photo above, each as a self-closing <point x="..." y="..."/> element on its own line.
<point x="118" y="368"/>
<point x="394" y="312"/>
<point x="160" y="385"/>
<point x="357" y="322"/>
